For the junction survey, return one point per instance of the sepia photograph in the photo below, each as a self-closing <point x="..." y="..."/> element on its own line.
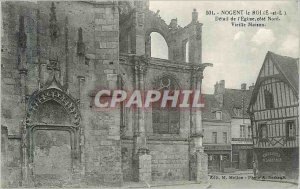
<point x="162" y="94"/>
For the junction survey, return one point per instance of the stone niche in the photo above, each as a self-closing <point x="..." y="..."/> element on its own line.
<point x="53" y="144"/>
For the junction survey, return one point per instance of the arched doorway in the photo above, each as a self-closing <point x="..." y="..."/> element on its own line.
<point x="53" y="137"/>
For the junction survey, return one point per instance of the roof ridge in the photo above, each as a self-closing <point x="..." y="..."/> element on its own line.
<point x="283" y="56"/>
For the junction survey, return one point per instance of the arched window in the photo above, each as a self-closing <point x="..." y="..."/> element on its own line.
<point x="159" y="47"/>
<point x="165" y="120"/>
<point x="186" y="50"/>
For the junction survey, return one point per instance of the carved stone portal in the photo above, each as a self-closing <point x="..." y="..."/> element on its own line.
<point x="52" y="139"/>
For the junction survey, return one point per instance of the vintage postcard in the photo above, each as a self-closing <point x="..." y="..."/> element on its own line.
<point x="139" y="94"/>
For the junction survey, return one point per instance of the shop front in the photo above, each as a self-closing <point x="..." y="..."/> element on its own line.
<point x="281" y="162"/>
<point x="242" y="156"/>
<point x="219" y="157"/>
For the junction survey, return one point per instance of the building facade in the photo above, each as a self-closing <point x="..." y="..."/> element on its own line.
<point x="274" y="116"/>
<point x="235" y="102"/>
<point x="56" y="56"/>
<point x="217" y="134"/>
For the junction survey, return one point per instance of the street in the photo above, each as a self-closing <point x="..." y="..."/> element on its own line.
<point x="244" y="180"/>
<point x="224" y="181"/>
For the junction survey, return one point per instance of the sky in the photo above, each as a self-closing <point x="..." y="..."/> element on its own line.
<point x="237" y="53"/>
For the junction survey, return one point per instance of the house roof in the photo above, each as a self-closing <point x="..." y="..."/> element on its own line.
<point x="288" y="68"/>
<point x="237" y="98"/>
<point x="211" y="105"/>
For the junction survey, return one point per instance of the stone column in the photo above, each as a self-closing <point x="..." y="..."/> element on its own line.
<point x="4" y="156"/>
<point x="79" y="167"/>
<point x="198" y="160"/>
<point x="138" y="32"/>
<point x="195" y="40"/>
<point x="148" y="46"/>
<point x="22" y="67"/>
<point x="141" y="156"/>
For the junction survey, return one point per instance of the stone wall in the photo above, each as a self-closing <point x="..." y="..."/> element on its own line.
<point x="170" y="160"/>
<point x="83" y="39"/>
<point x="82" y="71"/>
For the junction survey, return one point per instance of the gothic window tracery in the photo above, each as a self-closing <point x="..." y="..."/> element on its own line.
<point x="165" y="120"/>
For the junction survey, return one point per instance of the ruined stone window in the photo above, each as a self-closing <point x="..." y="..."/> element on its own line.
<point x="165" y="120"/>
<point x="186" y="45"/>
<point x="159" y="46"/>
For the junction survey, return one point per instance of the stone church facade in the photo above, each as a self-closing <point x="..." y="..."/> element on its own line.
<point x="56" y="56"/>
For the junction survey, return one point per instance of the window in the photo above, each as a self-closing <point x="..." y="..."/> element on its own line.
<point x="186" y="50"/>
<point x="242" y="131"/>
<point x="215" y="137"/>
<point x="159" y="46"/>
<point x="165" y="120"/>
<point x="237" y="111"/>
<point x="269" y="100"/>
<point x="225" y="137"/>
<point x="263" y="131"/>
<point x="290" y="129"/>
<point x="249" y="132"/>
<point x="218" y="115"/>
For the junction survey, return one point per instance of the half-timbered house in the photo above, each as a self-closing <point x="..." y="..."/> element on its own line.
<point x="274" y="116"/>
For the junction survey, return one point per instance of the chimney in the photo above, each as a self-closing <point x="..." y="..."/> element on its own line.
<point x="222" y="84"/>
<point x="216" y="87"/>
<point x="219" y="91"/>
<point x="194" y="16"/>
<point x="243" y="86"/>
<point x="251" y="87"/>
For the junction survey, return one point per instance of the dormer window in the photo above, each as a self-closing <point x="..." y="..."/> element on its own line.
<point x="218" y="115"/>
<point x="269" y="100"/>
<point x="237" y="111"/>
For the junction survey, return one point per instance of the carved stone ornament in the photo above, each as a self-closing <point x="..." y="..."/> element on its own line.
<point x="54" y="30"/>
<point x="58" y="96"/>
<point x="141" y="64"/>
<point x="80" y="44"/>
<point x="53" y="91"/>
<point x="140" y="19"/>
<point x="22" y="35"/>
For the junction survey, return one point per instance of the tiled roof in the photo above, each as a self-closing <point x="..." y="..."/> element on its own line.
<point x="237" y="98"/>
<point x="289" y="68"/>
<point x="211" y="105"/>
